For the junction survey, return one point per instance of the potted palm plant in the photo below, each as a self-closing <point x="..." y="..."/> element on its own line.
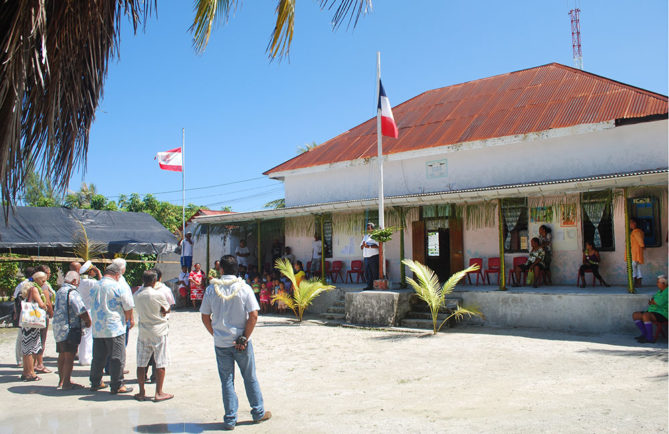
<point x="382" y="235"/>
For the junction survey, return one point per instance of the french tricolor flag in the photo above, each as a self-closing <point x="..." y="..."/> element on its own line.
<point x="170" y="160"/>
<point x="388" y="125"/>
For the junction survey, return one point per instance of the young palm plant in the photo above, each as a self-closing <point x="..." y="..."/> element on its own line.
<point x="84" y="247"/>
<point x="427" y="288"/>
<point x="303" y="294"/>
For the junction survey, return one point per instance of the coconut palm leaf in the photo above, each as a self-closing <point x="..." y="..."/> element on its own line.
<point x="286" y="268"/>
<point x="288" y="301"/>
<point x="460" y="313"/>
<point x="85" y="248"/>
<point x="209" y="12"/>
<point x="54" y="56"/>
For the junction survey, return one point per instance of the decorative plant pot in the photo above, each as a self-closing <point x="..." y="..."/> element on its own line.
<point x="381" y="284"/>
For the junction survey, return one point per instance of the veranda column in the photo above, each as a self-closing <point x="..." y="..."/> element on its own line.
<point x="403" y="277"/>
<point x="628" y="245"/>
<point x="258" y="254"/>
<point x="322" y="250"/>
<point x="207" y="251"/>
<point x="500" y="228"/>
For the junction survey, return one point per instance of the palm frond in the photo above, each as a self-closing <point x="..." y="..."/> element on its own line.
<point x="207" y="14"/>
<point x="287" y="300"/>
<point x="85" y="248"/>
<point x="282" y="35"/>
<point x="286" y="268"/>
<point x="54" y="57"/>
<point x="352" y="9"/>
<point x="460" y="312"/>
<point x="455" y="278"/>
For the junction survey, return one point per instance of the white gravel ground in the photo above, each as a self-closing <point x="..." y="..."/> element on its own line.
<point x="340" y="380"/>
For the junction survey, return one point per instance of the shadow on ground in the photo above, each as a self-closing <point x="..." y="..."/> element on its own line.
<point x="187" y="427"/>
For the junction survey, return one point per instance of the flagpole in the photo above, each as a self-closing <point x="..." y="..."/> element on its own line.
<point x="379" y="146"/>
<point x="183" y="183"/>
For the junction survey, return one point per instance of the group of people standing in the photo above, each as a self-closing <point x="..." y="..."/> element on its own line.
<point x="92" y="314"/>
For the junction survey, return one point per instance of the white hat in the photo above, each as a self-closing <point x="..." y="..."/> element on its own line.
<point x="84" y="268"/>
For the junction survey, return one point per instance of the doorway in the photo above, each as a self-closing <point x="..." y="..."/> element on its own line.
<point x="438" y="243"/>
<point x="438" y="250"/>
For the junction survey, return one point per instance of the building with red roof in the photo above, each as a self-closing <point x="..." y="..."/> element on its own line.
<point x="484" y="164"/>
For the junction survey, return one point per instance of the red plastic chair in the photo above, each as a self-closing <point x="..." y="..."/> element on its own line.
<point x="585" y="282"/>
<point x="660" y="329"/>
<point x="336" y="270"/>
<point x="478" y="273"/>
<point x="518" y="260"/>
<point x="493" y="268"/>
<point x="356" y="268"/>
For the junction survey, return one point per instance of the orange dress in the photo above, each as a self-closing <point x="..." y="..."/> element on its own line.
<point x="637" y="245"/>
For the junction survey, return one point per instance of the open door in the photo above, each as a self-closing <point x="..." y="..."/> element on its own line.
<point x="418" y="241"/>
<point x="456" y="245"/>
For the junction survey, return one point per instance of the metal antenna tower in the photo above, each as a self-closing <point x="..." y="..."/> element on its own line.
<point x="576" y="37"/>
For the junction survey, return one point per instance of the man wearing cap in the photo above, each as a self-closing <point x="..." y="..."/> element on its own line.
<point x="89" y="275"/>
<point x="187" y="251"/>
<point x="370" y="255"/>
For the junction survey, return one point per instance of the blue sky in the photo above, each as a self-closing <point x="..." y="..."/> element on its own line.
<point x="244" y="114"/>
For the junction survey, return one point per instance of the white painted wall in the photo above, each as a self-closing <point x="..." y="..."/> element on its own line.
<point x="532" y="158"/>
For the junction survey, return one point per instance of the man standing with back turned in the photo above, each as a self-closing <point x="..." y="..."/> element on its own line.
<point x="229" y="313"/>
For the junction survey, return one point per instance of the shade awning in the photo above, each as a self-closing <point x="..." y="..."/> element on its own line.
<point x="41" y="230"/>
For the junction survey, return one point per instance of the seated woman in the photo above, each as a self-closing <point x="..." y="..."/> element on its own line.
<point x="535" y="263"/>
<point x="590" y="263"/>
<point x="657" y="311"/>
<point x="546" y="241"/>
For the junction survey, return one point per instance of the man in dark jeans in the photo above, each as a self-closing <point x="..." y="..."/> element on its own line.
<point x="111" y="309"/>
<point x="370" y="254"/>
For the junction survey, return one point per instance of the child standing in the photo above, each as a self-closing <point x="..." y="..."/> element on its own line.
<point x="256" y="288"/>
<point x="281" y="306"/>
<point x="264" y="298"/>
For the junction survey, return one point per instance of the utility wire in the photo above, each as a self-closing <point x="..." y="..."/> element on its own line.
<point x="195" y="188"/>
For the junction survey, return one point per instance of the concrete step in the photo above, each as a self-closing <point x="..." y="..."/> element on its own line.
<point x="334" y="316"/>
<point x="416" y="323"/>
<point x="333" y="309"/>
<point x="425" y="315"/>
<point x="339" y="303"/>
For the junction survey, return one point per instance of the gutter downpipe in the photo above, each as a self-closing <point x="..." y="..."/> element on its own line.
<point x="258" y="254"/>
<point x="403" y="276"/>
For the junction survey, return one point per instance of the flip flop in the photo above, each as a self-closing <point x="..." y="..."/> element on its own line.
<point x="43" y="371"/>
<point x="35" y="378"/>
<point x="73" y="386"/>
<point x="165" y="398"/>
<point x="139" y="397"/>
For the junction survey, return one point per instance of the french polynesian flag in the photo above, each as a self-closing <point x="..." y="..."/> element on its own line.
<point x="388" y="126"/>
<point x="170" y="160"/>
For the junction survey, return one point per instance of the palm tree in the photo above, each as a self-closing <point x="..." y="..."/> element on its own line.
<point x="54" y="56"/>
<point x="306" y="148"/>
<point x="303" y="294"/>
<point x="276" y="203"/>
<point x="427" y="288"/>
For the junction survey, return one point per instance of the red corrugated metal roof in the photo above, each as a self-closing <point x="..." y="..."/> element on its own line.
<point x="531" y="100"/>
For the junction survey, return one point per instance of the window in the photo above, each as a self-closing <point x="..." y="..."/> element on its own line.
<point x="514" y="216"/>
<point x="432" y="211"/>
<point x="646" y="211"/>
<point x="597" y="219"/>
<point x="327" y="233"/>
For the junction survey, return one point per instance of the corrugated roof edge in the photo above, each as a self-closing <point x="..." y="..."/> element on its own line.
<point x="556" y="64"/>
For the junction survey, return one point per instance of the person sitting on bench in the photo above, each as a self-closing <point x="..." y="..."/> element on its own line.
<point x="656" y="312"/>
<point x="535" y="263"/>
<point x="590" y="263"/>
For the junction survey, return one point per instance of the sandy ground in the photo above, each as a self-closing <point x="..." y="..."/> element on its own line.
<point x="317" y="378"/>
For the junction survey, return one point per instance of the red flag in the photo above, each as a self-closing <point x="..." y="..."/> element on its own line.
<point x="170" y="160"/>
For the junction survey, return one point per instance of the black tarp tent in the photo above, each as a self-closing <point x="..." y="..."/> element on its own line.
<point x="54" y="231"/>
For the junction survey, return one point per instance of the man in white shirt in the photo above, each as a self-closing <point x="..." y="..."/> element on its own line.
<point x="152" y="309"/>
<point x="229" y="313"/>
<point x="242" y="253"/>
<point x="316" y="253"/>
<point x="187" y="251"/>
<point x="370" y="255"/>
<point x="87" y="275"/>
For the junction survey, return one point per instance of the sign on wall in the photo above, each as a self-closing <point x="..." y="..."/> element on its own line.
<point x="436" y="169"/>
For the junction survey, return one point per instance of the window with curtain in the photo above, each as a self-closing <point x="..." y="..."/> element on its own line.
<point x="597" y="220"/>
<point x="514" y="216"/>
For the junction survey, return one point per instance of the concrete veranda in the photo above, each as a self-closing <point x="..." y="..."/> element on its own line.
<point x="335" y="379"/>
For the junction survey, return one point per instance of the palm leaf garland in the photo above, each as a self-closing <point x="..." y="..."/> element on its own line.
<point x="428" y="289"/>
<point x="303" y="294"/>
